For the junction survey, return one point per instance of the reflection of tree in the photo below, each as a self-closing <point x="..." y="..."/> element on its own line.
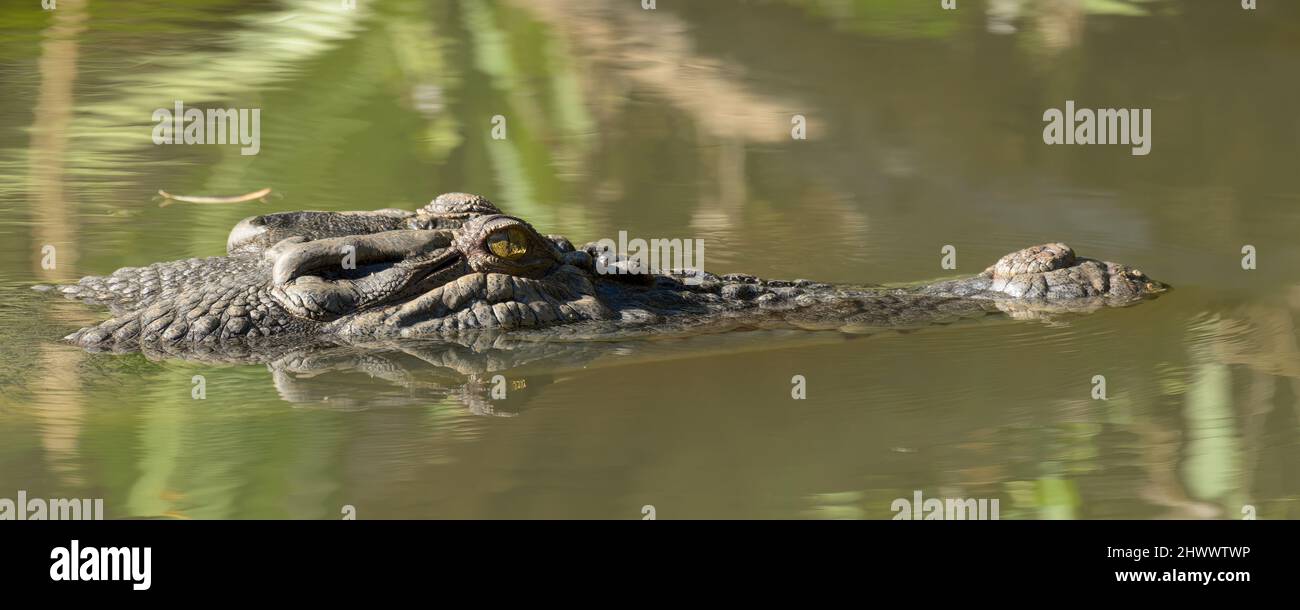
<point x="652" y="50"/>
<point x="60" y="418"/>
<point x="50" y="133"/>
<point x="623" y="51"/>
<point x="241" y="64"/>
<point x="1261" y="341"/>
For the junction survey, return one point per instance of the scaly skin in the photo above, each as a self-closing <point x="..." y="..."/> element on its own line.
<point x="458" y="270"/>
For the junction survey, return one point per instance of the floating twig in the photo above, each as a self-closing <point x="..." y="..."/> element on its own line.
<point x="255" y="195"/>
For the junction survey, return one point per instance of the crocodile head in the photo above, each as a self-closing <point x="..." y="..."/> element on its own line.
<point x="459" y="266"/>
<point x="493" y="272"/>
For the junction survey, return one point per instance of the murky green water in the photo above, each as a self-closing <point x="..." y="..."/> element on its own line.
<point x="924" y="129"/>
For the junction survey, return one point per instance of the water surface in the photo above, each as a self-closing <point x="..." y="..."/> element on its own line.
<point x="924" y="130"/>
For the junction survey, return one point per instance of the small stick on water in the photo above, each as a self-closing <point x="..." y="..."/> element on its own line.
<point x="168" y="198"/>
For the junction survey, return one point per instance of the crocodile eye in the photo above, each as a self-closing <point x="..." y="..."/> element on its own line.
<point x="509" y="243"/>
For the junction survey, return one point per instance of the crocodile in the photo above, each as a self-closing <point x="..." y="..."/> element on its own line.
<point x="461" y="270"/>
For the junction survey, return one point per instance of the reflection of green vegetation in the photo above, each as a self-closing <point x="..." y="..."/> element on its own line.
<point x="161" y="437"/>
<point x="924" y="19"/>
<point x="415" y="43"/>
<point x="1213" y="450"/>
<point x="1057" y="498"/>
<point x="538" y="95"/>
<point x="1126" y="8"/>
<point x="334" y="87"/>
<point x="841" y="505"/>
<point x="17" y="367"/>
<point x="885" y="18"/>
<point x="344" y="128"/>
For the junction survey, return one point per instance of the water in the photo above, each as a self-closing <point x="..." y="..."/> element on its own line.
<point x="924" y="130"/>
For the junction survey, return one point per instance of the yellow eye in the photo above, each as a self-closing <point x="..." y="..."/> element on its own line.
<point x="509" y="243"/>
